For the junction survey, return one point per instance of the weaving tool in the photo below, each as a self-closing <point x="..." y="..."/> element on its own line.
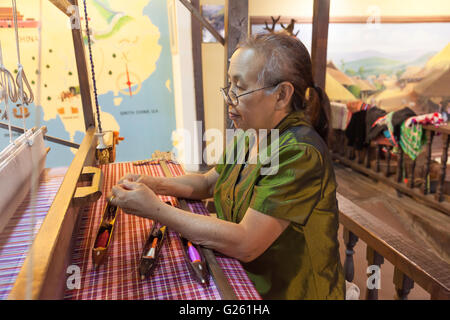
<point x="104" y="234"/>
<point x="151" y="251"/>
<point x="224" y="287"/>
<point x="195" y="260"/>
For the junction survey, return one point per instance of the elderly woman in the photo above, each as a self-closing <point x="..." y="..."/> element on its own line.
<point x="282" y="227"/>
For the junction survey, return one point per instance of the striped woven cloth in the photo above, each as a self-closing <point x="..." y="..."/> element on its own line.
<point x="19" y="233"/>
<point x="118" y="277"/>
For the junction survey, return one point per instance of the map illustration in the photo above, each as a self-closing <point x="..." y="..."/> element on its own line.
<point x="133" y="70"/>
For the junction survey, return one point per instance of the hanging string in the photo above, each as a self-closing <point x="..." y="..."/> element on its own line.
<point x="8" y="90"/>
<point x="21" y="79"/>
<point x="92" y="67"/>
<point x="35" y="172"/>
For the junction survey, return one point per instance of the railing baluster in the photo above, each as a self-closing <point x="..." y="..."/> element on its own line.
<point x="403" y="285"/>
<point x="367" y="154"/>
<point x="400" y="166"/>
<point x="430" y="135"/>
<point x="343" y="144"/>
<point x="412" y="178"/>
<point x="400" y="169"/>
<point x="388" y="165"/>
<point x="378" y="156"/>
<point x="350" y="153"/>
<point x="373" y="259"/>
<point x="361" y="154"/>
<point x="444" y="157"/>
<point x="350" y="240"/>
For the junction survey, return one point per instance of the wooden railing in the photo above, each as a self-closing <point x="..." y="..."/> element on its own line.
<point x="412" y="262"/>
<point x="433" y="195"/>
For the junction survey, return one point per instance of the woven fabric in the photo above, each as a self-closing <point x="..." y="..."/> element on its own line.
<point x="412" y="139"/>
<point x="22" y="227"/>
<point x="118" y="278"/>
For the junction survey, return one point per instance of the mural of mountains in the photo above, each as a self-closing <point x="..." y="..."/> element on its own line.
<point x="380" y="64"/>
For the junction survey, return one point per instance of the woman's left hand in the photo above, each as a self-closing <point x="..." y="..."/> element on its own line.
<point x="135" y="198"/>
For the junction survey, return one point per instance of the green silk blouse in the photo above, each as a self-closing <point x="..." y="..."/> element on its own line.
<point x="303" y="262"/>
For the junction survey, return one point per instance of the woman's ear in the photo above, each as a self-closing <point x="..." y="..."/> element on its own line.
<point x="284" y="95"/>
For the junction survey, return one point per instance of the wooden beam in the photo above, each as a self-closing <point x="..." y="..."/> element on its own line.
<point x="236" y="30"/>
<point x="46" y="137"/>
<point x="50" y="251"/>
<point x="62" y="5"/>
<point x="83" y="75"/>
<point x="321" y="18"/>
<point x="195" y="10"/>
<point x="354" y="19"/>
<point x="197" y="36"/>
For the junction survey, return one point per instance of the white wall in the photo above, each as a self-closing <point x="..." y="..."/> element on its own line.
<point x="183" y="75"/>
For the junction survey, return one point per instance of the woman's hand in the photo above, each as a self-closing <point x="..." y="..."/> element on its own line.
<point x="135" y="198"/>
<point x="149" y="181"/>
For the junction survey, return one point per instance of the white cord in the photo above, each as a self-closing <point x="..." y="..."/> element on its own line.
<point x="21" y="79"/>
<point x="8" y="90"/>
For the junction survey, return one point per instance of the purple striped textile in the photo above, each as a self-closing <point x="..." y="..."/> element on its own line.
<point x="118" y="278"/>
<point x="19" y="233"/>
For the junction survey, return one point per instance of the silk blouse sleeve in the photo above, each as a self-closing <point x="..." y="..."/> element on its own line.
<point x="294" y="191"/>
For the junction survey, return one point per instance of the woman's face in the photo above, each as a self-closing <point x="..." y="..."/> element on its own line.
<point x="255" y="110"/>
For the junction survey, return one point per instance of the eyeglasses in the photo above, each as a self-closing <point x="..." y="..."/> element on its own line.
<point x="231" y="98"/>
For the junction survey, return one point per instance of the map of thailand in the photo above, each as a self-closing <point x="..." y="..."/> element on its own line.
<point x="133" y="70"/>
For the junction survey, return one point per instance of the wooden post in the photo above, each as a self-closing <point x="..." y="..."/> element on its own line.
<point x="236" y="30"/>
<point x="83" y="75"/>
<point x="321" y="17"/>
<point x="196" y="28"/>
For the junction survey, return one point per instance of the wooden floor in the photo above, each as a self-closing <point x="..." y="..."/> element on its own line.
<point x="419" y="223"/>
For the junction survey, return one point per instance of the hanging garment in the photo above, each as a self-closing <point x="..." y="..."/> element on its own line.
<point x="340" y="116"/>
<point x="412" y="139"/>
<point x="378" y="121"/>
<point x="356" y="130"/>
<point x="356" y="106"/>
<point x="436" y="119"/>
<point x="373" y="115"/>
